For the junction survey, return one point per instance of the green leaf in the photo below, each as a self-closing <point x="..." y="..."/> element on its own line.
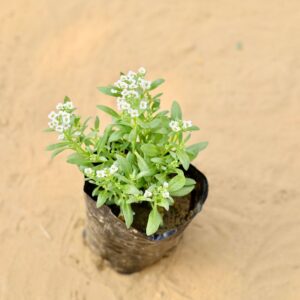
<point x="176" y="183"/>
<point x="146" y="173"/>
<point x="183" y="158"/>
<point x="164" y="203"/>
<point x="132" y="135"/>
<point x="101" y="199"/>
<point x="183" y="191"/>
<point x="127" y="213"/>
<point x="193" y="150"/>
<point x="156" y="83"/>
<point x="124" y="164"/>
<point x="131" y="189"/>
<point x="150" y="150"/>
<point x="115" y="136"/>
<point x="57" y="151"/>
<point x="192" y="128"/>
<point x="189" y="181"/>
<point x="107" y="90"/>
<point x="176" y="111"/>
<point x="154" y="221"/>
<point x="57" y="146"/>
<point x="78" y="159"/>
<point x="109" y="111"/>
<point x="143" y="166"/>
<point x="97" y="123"/>
<point x="103" y="140"/>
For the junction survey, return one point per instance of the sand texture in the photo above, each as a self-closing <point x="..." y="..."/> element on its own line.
<point x="235" y="68"/>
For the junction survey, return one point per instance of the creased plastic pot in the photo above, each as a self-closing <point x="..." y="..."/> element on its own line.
<point x="129" y="250"/>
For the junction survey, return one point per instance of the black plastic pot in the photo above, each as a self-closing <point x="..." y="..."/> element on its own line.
<point x="129" y="250"/>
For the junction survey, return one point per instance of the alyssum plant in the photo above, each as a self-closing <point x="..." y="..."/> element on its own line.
<point x="139" y="157"/>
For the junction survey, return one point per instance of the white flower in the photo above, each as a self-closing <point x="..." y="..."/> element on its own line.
<point x="133" y="86"/>
<point x="131" y="74"/>
<point x="113" y="169"/>
<point x="165" y="184"/>
<point x="61" y="137"/>
<point x="123" y="77"/>
<point x="166" y="194"/>
<point x="125" y="93"/>
<point x="66" y="119"/>
<point x="59" y="128"/>
<point x="59" y="106"/>
<point x="187" y="124"/>
<point x="147" y="194"/>
<point x="114" y="91"/>
<point x="52" y="115"/>
<point x="174" y="125"/>
<point x="88" y="171"/>
<point x="101" y="173"/>
<point x="142" y="70"/>
<point x="147" y="84"/>
<point x="143" y="104"/>
<point x="77" y="133"/>
<point x="69" y="105"/>
<point x="134" y="113"/>
<point x="123" y="85"/>
<point x="51" y="125"/>
<point x="125" y="105"/>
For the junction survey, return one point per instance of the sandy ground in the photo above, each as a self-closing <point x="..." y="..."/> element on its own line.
<point x="234" y="65"/>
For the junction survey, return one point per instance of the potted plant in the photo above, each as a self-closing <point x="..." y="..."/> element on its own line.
<point x="141" y="190"/>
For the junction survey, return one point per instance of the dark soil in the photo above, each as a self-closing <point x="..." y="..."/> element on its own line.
<point x="176" y="215"/>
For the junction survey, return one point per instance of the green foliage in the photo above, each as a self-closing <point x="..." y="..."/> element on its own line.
<point x="137" y="158"/>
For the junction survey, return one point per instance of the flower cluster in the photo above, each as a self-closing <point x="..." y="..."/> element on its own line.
<point x="131" y="90"/>
<point x="160" y="191"/>
<point x="101" y="173"/>
<point x="180" y="125"/>
<point x="60" y="120"/>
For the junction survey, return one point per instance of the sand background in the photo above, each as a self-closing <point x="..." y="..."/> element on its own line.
<point x="235" y="68"/>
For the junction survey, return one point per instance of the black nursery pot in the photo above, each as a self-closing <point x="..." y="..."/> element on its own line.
<point x="130" y="250"/>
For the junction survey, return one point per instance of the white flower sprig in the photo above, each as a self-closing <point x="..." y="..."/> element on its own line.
<point x="132" y="88"/>
<point x="180" y="125"/>
<point x="60" y="120"/>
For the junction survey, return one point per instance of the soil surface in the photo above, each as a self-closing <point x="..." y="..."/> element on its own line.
<point x="235" y="68"/>
<point x="173" y="218"/>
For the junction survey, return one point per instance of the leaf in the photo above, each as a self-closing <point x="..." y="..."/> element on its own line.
<point x="141" y="163"/>
<point x="78" y="159"/>
<point x="132" y="135"/>
<point x="127" y="213"/>
<point x="193" y="150"/>
<point x="115" y="136"/>
<point x="107" y="90"/>
<point x="101" y="199"/>
<point x="156" y="83"/>
<point x="97" y="123"/>
<point x="150" y="150"/>
<point x="124" y="164"/>
<point x="184" y="159"/>
<point x="57" y="146"/>
<point x="149" y="172"/>
<point x="109" y="111"/>
<point x="176" y="183"/>
<point x="103" y="140"/>
<point x="176" y="111"/>
<point x="193" y="128"/>
<point x="189" y="181"/>
<point x="154" y="221"/>
<point x="131" y="189"/>
<point x="164" y="203"/>
<point x="183" y="191"/>
<point x="56" y="152"/>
